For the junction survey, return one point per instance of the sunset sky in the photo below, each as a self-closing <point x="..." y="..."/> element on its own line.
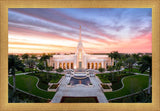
<point x="57" y="30"/>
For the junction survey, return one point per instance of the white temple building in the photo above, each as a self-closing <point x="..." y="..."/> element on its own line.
<point x="80" y="60"/>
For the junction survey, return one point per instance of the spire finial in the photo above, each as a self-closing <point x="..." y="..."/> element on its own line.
<point x="80" y="33"/>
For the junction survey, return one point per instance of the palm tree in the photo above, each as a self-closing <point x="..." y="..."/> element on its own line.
<point x="25" y="56"/>
<point x="34" y="57"/>
<point x="41" y="66"/>
<point x="118" y="65"/>
<point x="125" y="56"/>
<point x="146" y="63"/>
<point x="111" y="68"/>
<point x="114" y="55"/>
<point x="136" y="56"/>
<point x="44" y="59"/>
<point x="130" y="61"/>
<point x="14" y="63"/>
<point x="30" y="63"/>
<point x="111" y="56"/>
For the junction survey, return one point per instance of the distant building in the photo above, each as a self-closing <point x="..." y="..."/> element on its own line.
<point x="80" y="60"/>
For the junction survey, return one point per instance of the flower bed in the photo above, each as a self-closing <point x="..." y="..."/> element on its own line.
<point x="106" y="87"/>
<point x="54" y="87"/>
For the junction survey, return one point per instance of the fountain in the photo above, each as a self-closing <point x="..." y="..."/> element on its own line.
<point x="83" y="80"/>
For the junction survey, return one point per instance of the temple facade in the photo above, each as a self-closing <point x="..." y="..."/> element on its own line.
<point x="80" y="60"/>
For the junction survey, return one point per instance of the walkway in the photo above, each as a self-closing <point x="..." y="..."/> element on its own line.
<point x="141" y="74"/>
<point x="80" y="91"/>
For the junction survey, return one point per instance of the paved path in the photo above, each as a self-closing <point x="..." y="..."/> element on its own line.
<point x="80" y="91"/>
<point x="141" y="74"/>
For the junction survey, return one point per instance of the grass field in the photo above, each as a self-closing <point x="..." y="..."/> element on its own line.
<point x="20" y="97"/>
<point x="132" y="84"/>
<point x="135" y="70"/>
<point x="141" y="97"/>
<point x="26" y="70"/>
<point x="28" y="83"/>
<point x="45" y="78"/>
<point x="114" y="78"/>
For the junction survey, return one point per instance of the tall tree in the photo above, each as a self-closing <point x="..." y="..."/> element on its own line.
<point x="14" y="63"/>
<point x="111" y="69"/>
<point x="30" y="63"/>
<point x="33" y="57"/>
<point x="146" y="63"/>
<point x="111" y="56"/>
<point x="25" y="56"/>
<point x="49" y="69"/>
<point x="136" y="56"/>
<point x="115" y="55"/>
<point x="126" y="56"/>
<point x="44" y="59"/>
<point x="130" y="61"/>
<point x="41" y="66"/>
<point x="118" y="65"/>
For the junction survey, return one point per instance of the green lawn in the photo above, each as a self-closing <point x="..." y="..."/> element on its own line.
<point x="26" y="70"/>
<point x="18" y="72"/>
<point x="132" y="84"/>
<point x="141" y="97"/>
<point x="45" y="78"/>
<point x="20" y="97"/>
<point x="28" y="83"/>
<point x="135" y="70"/>
<point x="114" y="78"/>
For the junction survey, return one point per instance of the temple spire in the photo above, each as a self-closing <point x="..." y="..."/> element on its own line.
<point x="80" y="33"/>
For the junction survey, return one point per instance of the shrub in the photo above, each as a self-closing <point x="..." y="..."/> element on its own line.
<point x="59" y="70"/>
<point x="41" y="66"/>
<point x="103" y="78"/>
<point x="101" y="69"/>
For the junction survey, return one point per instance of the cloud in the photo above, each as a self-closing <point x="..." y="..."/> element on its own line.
<point x="101" y="28"/>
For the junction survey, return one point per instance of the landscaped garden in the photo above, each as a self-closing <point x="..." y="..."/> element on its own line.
<point x="45" y="78"/>
<point x="36" y="82"/>
<point x="28" y="84"/>
<point x="132" y="84"/>
<point x="114" y="78"/>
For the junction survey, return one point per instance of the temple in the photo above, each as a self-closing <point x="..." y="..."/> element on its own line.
<point x="80" y="60"/>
